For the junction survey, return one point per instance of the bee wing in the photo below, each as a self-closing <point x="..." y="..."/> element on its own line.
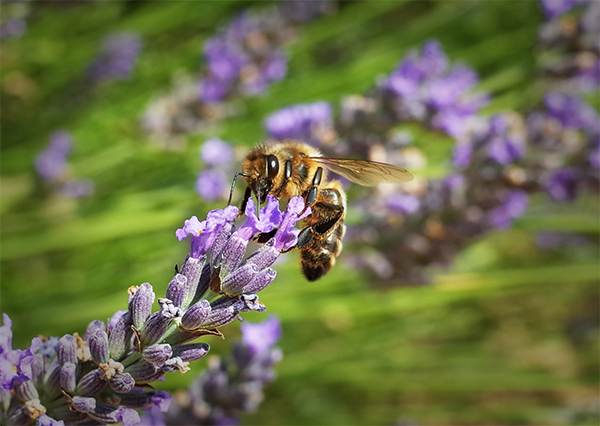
<point x="365" y="172"/>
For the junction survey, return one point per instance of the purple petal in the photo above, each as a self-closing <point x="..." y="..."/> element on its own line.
<point x="216" y="152"/>
<point x="260" y="337"/>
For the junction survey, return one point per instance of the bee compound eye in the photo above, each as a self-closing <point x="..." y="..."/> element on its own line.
<point x="272" y="166"/>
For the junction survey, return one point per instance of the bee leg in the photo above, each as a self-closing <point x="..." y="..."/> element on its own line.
<point x="320" y="253"/>
<point x="331" y="214"/>
<point x="304" y="237"/>
<point x="247" y="196"/>
<point x="233" y="185"/>
<point x="311" y="194"/>
<point x="263" y="237"/>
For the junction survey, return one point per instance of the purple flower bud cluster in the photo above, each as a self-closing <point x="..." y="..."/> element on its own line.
<point x="51" y="165"/>
<point x="231" y="385"/>
<point x="571" y="44"/>
<point x="14" y="19"/>
<point x="555" y="8"/>
<point x="117" y="57"/>
<point x="247" y="57"/>
<point x="213" y="180"/>
<point x="242" y="60"/>
<point x="498" y="161"/>
<point x="426" y="89"/>
<point x="103" y="377"/>
<point x="311" y="123"/>
<point x="13" y="28"/>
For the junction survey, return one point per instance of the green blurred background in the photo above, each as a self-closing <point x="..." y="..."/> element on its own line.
<point x="508" y="336"/>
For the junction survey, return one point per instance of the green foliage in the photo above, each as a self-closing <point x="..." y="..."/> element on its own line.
<point x="506" y="336"/>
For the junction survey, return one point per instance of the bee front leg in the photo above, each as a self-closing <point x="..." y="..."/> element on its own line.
<point x="247" y="196"/>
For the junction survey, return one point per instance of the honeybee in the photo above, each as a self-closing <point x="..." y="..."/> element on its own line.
<point x="288" y="169"/>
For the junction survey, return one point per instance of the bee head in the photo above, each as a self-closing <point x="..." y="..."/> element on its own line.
<point x="260" y="179"/>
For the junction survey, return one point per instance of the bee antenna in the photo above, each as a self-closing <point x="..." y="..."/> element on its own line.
<point x="233" y="185"/>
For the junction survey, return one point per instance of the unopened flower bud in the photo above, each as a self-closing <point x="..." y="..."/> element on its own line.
<point x="66" y="349"/>
<point x="233" y="253"/>
<point x="195" y="316"/>
<point x="140" y="305"/>
<point x="176" y="289"/>
<point x="98" y="344"/>
<point x="83" y="404"/>
<point x="265" y="256"/>
<point x="110" y="414"/>
<point x="191" y="351"/>
<point x="155" y="327"/>
<point x="26" y="391"/>
<point x="261" y="280"/>
<point x="122" y="383"/>
<point x="145" y="399"/>
<point x="143" y="372"/>
<point x="68" y="379"/>
<point x="52" y="385"/>
<point x="92" y="327"/>
<point x="157" y="354"/>
<point x="191" y="270"/>
<point x="91" y="383"/>
<point x="119" y="341"/>
<point x="234" y="283"/>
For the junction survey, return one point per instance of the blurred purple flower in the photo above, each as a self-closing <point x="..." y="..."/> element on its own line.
<point x="403" y="203"/>
<point x="562" y="185"/>
<point x="589" y="74"/>
<point x="302" y="122"/>
<point x="225" y="60"/>
<point x="117" y="57"/>
<point x="423" y="87"/>
<point x="552" y="240"/>
<point x="52" y="162"/>
<point x="594" y="157"/>
<point x="443" y="92"/>
<point x="555" y="8"/>
<point x="590" y="19"/>
<point x="275" y="67"/>
<point x="77" y="188"/>
<point x="212" y="89"/>
<point x="433" y="61"/>
<point x="13" y="28"/>
<point x="503" y="147"/>
<point x="572" y="112"/>
<point x="211" y="184"/>
<point x="215" y="152"/>
<point x="260" y="337"/>
<point x="234" y="384"/>
<point x="405" y="79"/>
<point x="462" y="154"/>
<point x="513" y="206"/>
<point x="300" y="11"/>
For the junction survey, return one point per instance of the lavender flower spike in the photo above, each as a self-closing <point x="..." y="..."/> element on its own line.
<point x="117" y="57"/>
<point x="52" y="162"/>
<point x="99" y="379"/>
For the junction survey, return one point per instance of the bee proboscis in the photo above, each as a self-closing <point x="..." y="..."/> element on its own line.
<point x="290" y="168"/>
